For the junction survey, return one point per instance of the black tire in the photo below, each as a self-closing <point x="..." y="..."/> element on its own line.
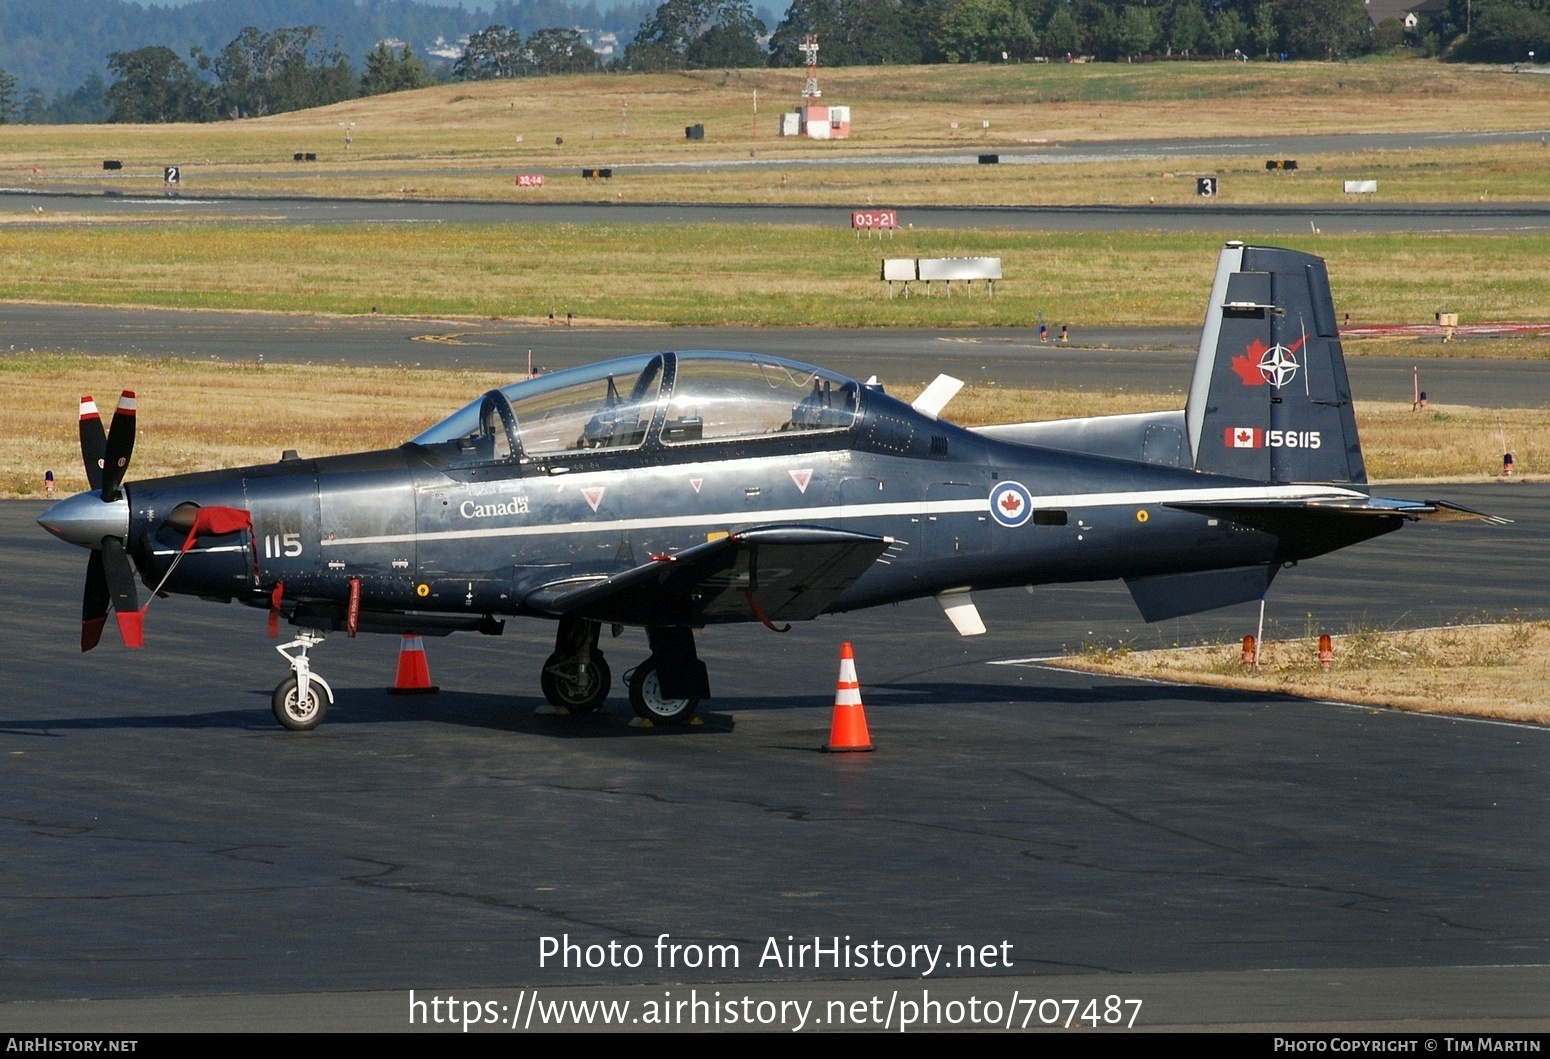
<point x="569" y="686"/>
<point x="647" y="699"/>
<point x="293" y="715"/>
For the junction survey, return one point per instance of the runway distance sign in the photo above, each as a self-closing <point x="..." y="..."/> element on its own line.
<point x="874" y="220"/>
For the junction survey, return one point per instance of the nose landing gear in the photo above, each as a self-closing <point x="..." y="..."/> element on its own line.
<point x="302" y="699"/>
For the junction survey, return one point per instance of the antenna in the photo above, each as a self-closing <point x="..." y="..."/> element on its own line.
<point x="809" y="48"/>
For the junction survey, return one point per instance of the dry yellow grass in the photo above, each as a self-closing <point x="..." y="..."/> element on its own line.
<point x="1451" y="440"/>
<point x="197" y="415"/>
<point x="1495" y="670"/>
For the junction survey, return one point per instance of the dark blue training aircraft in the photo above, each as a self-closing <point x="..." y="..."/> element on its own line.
<point x="678" y="490"/>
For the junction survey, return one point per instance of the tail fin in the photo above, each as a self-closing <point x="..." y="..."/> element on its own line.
<point x="1270" y="400"/>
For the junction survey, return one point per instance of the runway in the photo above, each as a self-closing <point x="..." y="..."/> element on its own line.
<point x="176" y="861"/>
<point x="1238" y="221"/>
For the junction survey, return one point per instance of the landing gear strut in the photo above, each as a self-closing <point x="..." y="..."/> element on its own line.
<point x="575" y="678"/>
<point x="301" y="700"/>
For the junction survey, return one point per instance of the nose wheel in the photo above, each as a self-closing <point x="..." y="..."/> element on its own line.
<point x="301" y="700"/>
<point x="298" y="711"/>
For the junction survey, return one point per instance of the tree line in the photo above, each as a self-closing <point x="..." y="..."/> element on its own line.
<point x="873" y="32"/>
<point x="712" y="34"/>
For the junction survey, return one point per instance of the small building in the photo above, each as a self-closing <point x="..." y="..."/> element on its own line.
<point x="1413" y="15"/>
<point x="817" y="122"/>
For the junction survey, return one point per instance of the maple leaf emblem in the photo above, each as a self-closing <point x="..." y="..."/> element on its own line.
<point x="1247" y="365"/>
<point x="1011" y="503"/>
<point x="1244" y="437"/>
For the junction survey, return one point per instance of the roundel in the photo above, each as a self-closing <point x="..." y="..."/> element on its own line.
<point x="1010" y="504"/>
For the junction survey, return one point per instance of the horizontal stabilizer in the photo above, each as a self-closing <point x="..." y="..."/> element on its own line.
<point x="1255" y="511"/>
<point x="777" y="573"/>
<point x="1175" y="595"/>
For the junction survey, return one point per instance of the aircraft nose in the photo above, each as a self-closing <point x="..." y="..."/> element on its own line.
<point x="85" y="519"/>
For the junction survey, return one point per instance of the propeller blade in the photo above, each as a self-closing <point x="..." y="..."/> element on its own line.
<point x="121" y="443"/>
<point x="94" y="441"/>
<point x="121" y="586"/>
<point x="94" y="603"/>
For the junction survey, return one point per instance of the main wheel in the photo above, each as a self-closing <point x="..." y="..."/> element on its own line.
<point x="571" y="686"/>
<point x="294" y="714"/>
<point x="649" y="702"/>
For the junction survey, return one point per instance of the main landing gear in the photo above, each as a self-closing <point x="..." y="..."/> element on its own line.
<point x="664" y="689"/>
<point x="302" y="699"/>
<point x="648" y="700"/>
<point x="667" y="687"/>
<point x="575" y="678"/>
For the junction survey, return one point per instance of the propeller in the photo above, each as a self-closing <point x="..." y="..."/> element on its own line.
<point x="99" y="520"/>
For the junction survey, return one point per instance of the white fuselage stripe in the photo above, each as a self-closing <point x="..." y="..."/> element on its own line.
<point x="1248" y="494"/>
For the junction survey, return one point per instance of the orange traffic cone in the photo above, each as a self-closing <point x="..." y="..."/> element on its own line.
<point x="848" y="732"/>
<point x="414" y="673"/>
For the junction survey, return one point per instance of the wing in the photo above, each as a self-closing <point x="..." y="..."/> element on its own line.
<point x="775" y="573"/>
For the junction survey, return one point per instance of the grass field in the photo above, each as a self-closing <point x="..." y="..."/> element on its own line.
<point x="1497" y="669"/>
<point x="756" y="275"/>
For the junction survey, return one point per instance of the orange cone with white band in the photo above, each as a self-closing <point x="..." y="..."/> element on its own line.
<point x="848" y="733"/>
<point x="414" y="672"/>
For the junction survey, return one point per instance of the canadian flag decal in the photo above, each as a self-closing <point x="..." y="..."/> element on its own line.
<point x="1245" y="438"/>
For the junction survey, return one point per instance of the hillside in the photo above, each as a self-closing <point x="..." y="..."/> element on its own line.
<point x="54" y="47"/>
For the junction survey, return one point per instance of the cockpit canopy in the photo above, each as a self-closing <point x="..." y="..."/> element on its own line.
<point x="651" y="400"/>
